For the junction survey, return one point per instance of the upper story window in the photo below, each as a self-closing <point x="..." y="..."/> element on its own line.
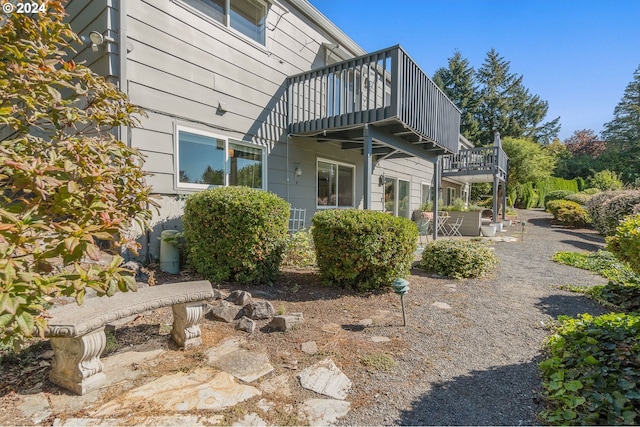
<point x="206" y="160"/>
<point x="246" y="16"/>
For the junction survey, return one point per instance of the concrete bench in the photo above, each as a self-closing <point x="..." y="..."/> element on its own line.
<point x="77" y="334"/>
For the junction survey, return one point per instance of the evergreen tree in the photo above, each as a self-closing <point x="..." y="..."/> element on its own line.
<point x="507" y="105"/>
<point x="457" y="81"/>
<point x="623" y="133"/>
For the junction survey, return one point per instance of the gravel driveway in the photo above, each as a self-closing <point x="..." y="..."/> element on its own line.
<point x="476" y="363"/>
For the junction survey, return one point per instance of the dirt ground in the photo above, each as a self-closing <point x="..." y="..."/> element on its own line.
<point x="472" y="364"/>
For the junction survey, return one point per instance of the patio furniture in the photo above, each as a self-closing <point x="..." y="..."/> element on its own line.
<point x="424" y="227"/>
<point x="442" y="220"/>
<point x="454" y="229"/>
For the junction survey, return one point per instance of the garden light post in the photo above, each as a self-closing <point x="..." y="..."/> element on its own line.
<point x="523" y="224"/>
<point x="401" y="287"/>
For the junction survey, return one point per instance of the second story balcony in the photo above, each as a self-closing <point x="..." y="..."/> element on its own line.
<point x="479" y="164"/>
<point x="385" y="89"/>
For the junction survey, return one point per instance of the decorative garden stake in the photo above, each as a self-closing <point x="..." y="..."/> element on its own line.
<point x="401" y="287"/>
<point x="523" y="224"/>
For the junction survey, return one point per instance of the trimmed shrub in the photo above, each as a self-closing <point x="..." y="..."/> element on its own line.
<point x="363" y="250"/>
<point x="625" y="244"/>
<point x="236" y="233"/>
<point x="458" y="259"/>
<point x="553" y="184"/>
<point x="300" y="251"/>
<point x="524" y="196"/>
<point x="591" y="375"/>
<point x="608" y="208"/>
<point x="581" y="198"/>
<point x="591" y="191"/>
<point x="556" y="195"/>
<point x="569" y="213"/>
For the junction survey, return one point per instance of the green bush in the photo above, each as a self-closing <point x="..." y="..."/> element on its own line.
<point x="569" y="213"/>
<point x="625" y="244"/>
<point x="592" y="375"/>
<point x="458" y="259"/>
<point x="608" y="208"/>
<point x="236" y="233"/>
<point x="300" y="252"/>
<point x="605" y="180"/>
<point x="580" y="198"/>
<point x="602" y="262"/>
<point x="553" y="184"/>
<point x="364" y="250"/>
<point x="622" y="296"/>
<point x="524" y="196"/>
<point x="556" y="195"/>
<point x="591" y="191"/>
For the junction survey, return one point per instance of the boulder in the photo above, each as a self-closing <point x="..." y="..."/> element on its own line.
<point x="259" y="310"/>
<point x="224" y="311"/>
<point x="246" y="324"/>
<point x="286" y="322"/>
<point x="240" y="298"/>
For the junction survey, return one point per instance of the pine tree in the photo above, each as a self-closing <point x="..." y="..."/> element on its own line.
<point x="623" y="133"/>
<point x="506" y="104"/>
<point x="457" y="81"/>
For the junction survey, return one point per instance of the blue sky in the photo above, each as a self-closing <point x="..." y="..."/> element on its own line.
<point x="579" y="55"/>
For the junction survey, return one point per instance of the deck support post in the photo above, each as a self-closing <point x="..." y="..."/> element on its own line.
<point x="437" y="179"/>
<point x="496" y="185"/>
<point x="367" y="166"/>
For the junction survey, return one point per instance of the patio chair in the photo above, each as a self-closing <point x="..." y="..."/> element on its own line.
<point x="454" y="229"/>
<point x="424" y="227"/>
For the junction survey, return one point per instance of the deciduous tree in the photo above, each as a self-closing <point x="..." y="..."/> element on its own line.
<point x="66" y="180"/>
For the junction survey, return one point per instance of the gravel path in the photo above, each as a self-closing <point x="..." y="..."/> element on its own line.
<point x="476" y="364"/>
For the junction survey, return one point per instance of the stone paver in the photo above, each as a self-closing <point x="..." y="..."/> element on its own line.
<point x="325" y="378"/>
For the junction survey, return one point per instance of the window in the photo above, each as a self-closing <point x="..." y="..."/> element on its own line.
<point x="205" y="160"/>
<point x="249" y="17"/>
<point x="396" y="197"/>
<point x="335" y="184"/>
<point x="426" y="194"/>
<point x="451" y="194"/>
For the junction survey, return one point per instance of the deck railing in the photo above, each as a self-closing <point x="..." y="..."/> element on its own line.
<point x="475" y="161"/>
<point x="376" y="87"/>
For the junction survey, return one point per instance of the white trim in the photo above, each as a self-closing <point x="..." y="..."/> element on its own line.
<point x="353" y="185"/>
<point x="227" y="161"/>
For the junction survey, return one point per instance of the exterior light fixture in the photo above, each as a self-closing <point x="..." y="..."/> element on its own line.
<point x="298" y="172"/>
<point x="96" y="39"/>
<point x="401" y="287"/>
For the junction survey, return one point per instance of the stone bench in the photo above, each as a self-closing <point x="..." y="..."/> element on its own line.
<point x="77" y="333"/>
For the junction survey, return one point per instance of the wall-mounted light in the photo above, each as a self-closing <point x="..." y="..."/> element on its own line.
<point x="222" y="108"/>
<point x="96" y="40"/>
<point x="381" y="180"/>
<point x="298" y="172"/>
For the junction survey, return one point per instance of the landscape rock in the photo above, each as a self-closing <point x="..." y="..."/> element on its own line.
<point x="279" y="385"/>
<point x="325" y="378"/>
<point x="137" y="269"/>
<point x="259" y="310"/>
<point x="377" y="338"/>
<point x="223" y="311"/>
<point x="240" y="298"/>
<point x="252" y="419"/>
<point x="366" y="322"/>
<point x="286" y="322"/>
<point x="323" y="412"/>
<point x="247" y="366"/>
<point x="309" y="347"/>
<point x="200" y="389"/>
<point x="441" y="305"/>
<point x="246" y="324"/>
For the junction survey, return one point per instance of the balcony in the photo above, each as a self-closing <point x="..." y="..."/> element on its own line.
<point x="480" y="164"/>
<point x="386" y="90"/>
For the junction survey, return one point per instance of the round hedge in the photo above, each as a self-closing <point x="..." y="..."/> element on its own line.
<point x="363" y="250"/>
<point x="608" y="208"/>
<point x="236" y="233"/>
<point x="568" y="212"/>
<point x="458" y="259"/>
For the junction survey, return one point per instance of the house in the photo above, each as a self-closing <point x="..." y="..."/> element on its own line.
<point x="272" y="95"/>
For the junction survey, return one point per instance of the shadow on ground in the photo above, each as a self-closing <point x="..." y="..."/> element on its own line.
<point x="497" y="396"/>
<point x="569" y="305"/>
<point x="584" y="246"/>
